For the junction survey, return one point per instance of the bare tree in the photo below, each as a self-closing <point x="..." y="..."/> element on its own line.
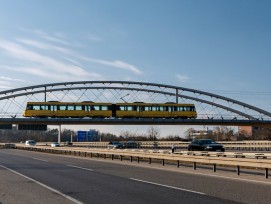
<point x="153" y="133"/>
<point x="188" y="133"/>
<point x="223" y="133"/>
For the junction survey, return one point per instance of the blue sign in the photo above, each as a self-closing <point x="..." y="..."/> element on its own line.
<point x="81" y="136"/>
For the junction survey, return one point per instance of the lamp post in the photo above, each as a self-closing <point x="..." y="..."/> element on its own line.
<point x="71" y="137"/>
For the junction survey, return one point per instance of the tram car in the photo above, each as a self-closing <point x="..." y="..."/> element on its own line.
<point x="55" y="109"/>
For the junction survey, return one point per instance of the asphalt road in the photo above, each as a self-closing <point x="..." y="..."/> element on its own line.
<point x="32" y="177"/>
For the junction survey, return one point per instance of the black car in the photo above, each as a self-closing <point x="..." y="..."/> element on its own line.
<point x="205" y="145"/>
<point x="131" y="144"/>
<point x="116" y="145"/>
<point x="67" y="143"/>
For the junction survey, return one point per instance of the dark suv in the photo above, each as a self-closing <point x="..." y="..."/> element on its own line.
<point x="117" y="145"/>
<point x="205" y="145"/>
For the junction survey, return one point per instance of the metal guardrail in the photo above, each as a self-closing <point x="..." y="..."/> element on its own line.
<point x="7" y="145"/>
<point x="260" y="145"/>
<point x="195" y="158"/>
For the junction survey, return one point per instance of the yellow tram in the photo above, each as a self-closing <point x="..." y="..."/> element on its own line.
<point x="56" y="109"/>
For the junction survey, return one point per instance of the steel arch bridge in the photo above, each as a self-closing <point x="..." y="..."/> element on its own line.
<point x="212" y="109"/>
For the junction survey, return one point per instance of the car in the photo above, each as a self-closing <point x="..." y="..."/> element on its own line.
<point x="205" y="145"/>
<point x="30" y="142"/>
<point x="68" y="143"/>
<point x="131" y="144"/>
<point x="55" y="144"/>
<point x="117" y="145"/>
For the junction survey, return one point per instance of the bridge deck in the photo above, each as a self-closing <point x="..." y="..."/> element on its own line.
<point x="134" y="121"/>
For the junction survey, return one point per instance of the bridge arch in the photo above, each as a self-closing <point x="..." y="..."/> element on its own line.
<point x="209" y="105"/>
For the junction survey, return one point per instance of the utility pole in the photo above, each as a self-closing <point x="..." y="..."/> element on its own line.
<point x="59" y="134"/>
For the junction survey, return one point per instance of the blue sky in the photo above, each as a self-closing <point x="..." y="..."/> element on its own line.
<point x="218" y="46"/>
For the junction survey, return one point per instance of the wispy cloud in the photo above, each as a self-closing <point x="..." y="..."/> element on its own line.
<point x="44" y="46"/>
<point x="8" y="82"/>
<point x="117" y="64"/>
<point x="94" y="38"/>
<point x="44" y="65"/>
<point x="54" y="57"/>
<point x="56" y="37"/>
<point x="11" y="79"/>
<point x="182" y="78"/>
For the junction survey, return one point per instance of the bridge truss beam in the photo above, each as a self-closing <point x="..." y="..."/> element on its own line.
<point x="209" y="106"/>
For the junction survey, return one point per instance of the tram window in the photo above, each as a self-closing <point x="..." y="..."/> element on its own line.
<point x="29" y="107"/>
<point x="62" y="107"/>
<point x="162" y="108"/>
<point x="157" y="108"/>
<point x="78" y="107"/>
<point x="87" y="108"/>
<point x="104" y="108"/>
<point x="180" y="108"/>
<point x="129" y="108"/>
<point x="44" y="107"/>
<point x="96" y="107"/>
<point x="36" y="107"/>
<point x="122" y="108"/>
<point x="148" y="108"/>
<point x="69" y="107"/>
<point x="53" y="108"/>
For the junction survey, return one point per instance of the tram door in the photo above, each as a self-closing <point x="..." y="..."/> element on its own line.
<point x="114" y="111"/>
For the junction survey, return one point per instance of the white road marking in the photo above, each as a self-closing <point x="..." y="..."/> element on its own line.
<point x="226" y="177"/>
<point x="203" y="174"/>
<point x="45" y="186"/>
<point x="78" y="167"/>
<point x="173" y="187"/>
<point x="40" y="159"/>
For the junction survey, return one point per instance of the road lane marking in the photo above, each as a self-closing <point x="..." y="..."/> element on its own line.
<point x="78" y="167"/>
<point x="40" y="159"/>
<point x="45" y="186"/>
<point x="211" y="175"/>
<point x="173" y="187"/>
<point x="197" y="173"/>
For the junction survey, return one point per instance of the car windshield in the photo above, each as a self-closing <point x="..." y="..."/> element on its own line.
<point x="207" y="142"/>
